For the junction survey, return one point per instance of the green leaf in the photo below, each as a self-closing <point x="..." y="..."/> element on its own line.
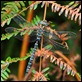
<point x="52" y="24"/>
<point x="25" y="57"/>
<point x="38" y="19"/>
<point x="75" y="5"/>
<point x="71" y="3"/>
<point x="3" y="76"/>
<point x="8" y="3"/>
<point x="23" y="14"/>
<point x="30" y="32"/>
<point x="2" y="79"/>
<point x="23" y="33"/>
<point x="14" y="10"/>
<point x="6" y="74"/>
<point x="8" y="22"/>
<point x="33" y="71"/>
<point x="48" y="46"/>
<point x="8" y="59"/>
<point x="29" y="2"/>
<point x="31" y="49"/>
<point x="68" y="72"/>
<point x="4" y="8"/>
<point x="8" y="70"/>
<point x="2" y="61"/>
<point x="16" y="32"/>
<point x="33" y="24"/>
<point x="9" y="16"/>
<point x="35" y="6"/>
<point x="46" y="69"/>
<point x="35" y="21"/>
<point x="9" y="35"/>
<point x="15" y="7"/>
<point x="17" y="3"/>
<point x="3" y="37"/>
<point x="46" y="74"/>
<point x="9" y="6"/>
<point x="22" y="3"/>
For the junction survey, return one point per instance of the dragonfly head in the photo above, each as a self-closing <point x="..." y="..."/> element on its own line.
<point x="44" y="23"/>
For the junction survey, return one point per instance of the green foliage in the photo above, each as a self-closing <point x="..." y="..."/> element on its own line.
<point x="45" y="71"/>
<point x="4" y="70"/>
<point x="48" y="47"/>
<point x="9" y="35"/>
<point x="71" y="3"/>
<point x="35" y="20"/>
<point x="5" y="74"/>
<point x="29" y="2"/>
<point x="32" y="6"/>
<point x="5" y="64"/>
<point x="14" y="6"/>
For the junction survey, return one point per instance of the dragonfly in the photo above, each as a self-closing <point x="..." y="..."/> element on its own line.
<point x="41" y="30"/>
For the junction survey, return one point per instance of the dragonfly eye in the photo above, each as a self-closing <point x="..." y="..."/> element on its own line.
<point x="44" y="23"/>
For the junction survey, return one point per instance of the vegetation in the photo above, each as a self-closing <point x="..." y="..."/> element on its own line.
<point x="49" y="64"/>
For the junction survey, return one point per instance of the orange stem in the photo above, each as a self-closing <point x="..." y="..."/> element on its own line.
<point x="22" y="64"/>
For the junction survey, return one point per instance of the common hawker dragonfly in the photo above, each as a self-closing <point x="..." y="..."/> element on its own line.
<point x="50" y="36"/>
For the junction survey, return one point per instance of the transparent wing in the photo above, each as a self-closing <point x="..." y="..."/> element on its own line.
<point x="69" y="33"/>
<point x="55" y="45"/>
<point x="9" y="29"/>
<point x="55" y="37"/>
<point x="18" y="36"/>
<point x="32" y="38"/>
<point x="21" y="21"/>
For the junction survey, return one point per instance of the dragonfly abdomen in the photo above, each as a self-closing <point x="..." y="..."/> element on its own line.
<point x="39" y="34"/>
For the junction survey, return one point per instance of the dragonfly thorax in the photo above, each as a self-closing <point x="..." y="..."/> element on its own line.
<point x="44" y="23"/>
<point x="40" y="31"/>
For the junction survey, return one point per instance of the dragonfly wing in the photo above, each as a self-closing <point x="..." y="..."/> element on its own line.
<point x="21" y="21"/>
<point x="9" y="29"/>
<point x="32" y="38"/>
<point x="69" y="34"/>
<point x="55" y="37"/>
<point x="18" y="36"/>
<point x="56" y="45"/>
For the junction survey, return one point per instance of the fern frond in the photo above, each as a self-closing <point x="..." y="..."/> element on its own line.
<point x="35" y="20"/>
<point x="72" y="11"/>
<point x="39" y="76"/>
<point x="14" y="6"/>
<point x="34" y="5"/>
<point x="9" y="35"/>
<point x="22" y="31"/>
<point x="4" y="70"/>
<point x="4" y="66"/>
<point x="64" y="66"/>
